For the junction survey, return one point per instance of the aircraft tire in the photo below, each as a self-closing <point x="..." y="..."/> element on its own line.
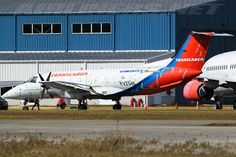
<point x="82" y="107"/>
<point x="218" y="105"/>
<point x="25" y="108"/>
<point x="63" y="106"/>
<point x="117" y="107"/>
<point x="234" y="105"/>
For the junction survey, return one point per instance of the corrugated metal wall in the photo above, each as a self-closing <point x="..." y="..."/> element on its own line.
<point x="112" y="65"/>
<point x="7" y="33"/>
<point x="89" y="41"/>
<point x="22" y="71"/>
<point x="136" y="31"/>
<point x="47" y="67"/>
<point x="41" y="42"/>
<point x="146" y="31"/>
<point x="17" y="71"/>
<point x="218" y="16"/>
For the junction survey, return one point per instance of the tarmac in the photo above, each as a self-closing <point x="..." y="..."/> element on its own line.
<point x="163" y="130"/>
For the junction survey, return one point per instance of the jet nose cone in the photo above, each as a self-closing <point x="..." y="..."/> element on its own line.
<point x="11" y="94"/>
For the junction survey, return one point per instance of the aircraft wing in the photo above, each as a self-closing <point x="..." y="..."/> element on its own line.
<point x="231" y="82"/>
<point x="68" y="86"/>
<point x="208" y="78"/>
<point x="212" y="82"/>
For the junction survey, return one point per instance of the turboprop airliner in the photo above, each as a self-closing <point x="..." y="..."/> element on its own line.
<point x="117" y="83"/>
<point x="217" y="80"/>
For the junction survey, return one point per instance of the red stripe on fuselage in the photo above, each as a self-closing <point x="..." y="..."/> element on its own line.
<point x="172" y="78"/>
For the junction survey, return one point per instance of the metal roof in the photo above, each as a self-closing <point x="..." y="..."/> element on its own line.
<point x="93" y="6"/>
<point x="83" y="56"/>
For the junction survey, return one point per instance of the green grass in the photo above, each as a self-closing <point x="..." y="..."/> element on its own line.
<point x="122" y="115"/>
<point x="112" y="146"/>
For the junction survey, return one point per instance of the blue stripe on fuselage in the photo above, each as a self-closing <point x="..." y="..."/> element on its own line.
<point x="156" y="75"/>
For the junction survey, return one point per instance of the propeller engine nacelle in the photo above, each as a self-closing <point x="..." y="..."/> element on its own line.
<point x="196" y="90"/>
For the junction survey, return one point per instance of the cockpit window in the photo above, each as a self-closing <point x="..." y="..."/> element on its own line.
<point x="33" y="79"/>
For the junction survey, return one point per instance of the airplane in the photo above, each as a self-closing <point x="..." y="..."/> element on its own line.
<point x="116" y="83"/>
<point x="218" y="79"/>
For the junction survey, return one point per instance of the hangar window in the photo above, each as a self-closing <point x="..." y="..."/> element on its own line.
<point x="86" y="28"/>
<point x="106" y="27"/>
<point x="91" y="28"/>
<point x="37" y="28"/>
<point x="56" y="28"/>
<point x="41" y="29"/>
<point x="76" y="28"/>
<point x="27" y="28"/>
<point x="47" y="28"/>
<point x="96" y="28"/>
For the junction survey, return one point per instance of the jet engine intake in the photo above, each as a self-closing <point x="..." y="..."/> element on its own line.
<point x="196" y="90"/>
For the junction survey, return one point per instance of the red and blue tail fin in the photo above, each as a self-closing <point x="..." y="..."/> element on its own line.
<point x="193" y="52"/>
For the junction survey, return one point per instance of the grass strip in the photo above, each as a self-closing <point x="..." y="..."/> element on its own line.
<point x="112" y="145"/>
<point x="121" y="115"/>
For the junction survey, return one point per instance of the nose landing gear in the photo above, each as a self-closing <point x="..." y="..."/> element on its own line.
<point x="83" y="104"/>
<point x="218" y="104"/>
<point x="25" y="103"/>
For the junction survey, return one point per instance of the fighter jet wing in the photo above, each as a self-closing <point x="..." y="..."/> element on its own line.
<point x="68" y="86"/>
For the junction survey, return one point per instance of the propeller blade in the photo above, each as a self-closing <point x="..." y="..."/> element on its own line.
<point x="43" y="86"/>
<point x="41" y="77"/>
<point x="49" y="75"/>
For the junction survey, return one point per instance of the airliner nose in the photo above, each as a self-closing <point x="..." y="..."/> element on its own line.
<point x="11" y="94"/>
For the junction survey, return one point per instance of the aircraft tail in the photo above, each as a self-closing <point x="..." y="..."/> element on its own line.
<point x="193" y="52"/>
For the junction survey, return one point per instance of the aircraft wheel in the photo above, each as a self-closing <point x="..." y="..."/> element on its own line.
<point x="63" y="106"/>
<point x="234" y="105"/>
<point x="117" y="107"/>
<point x="25" y="108"/>
<point x="82" y="107"/>
<point x="218" y="105"/>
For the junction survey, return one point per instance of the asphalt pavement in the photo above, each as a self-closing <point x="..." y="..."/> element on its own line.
<point x="164" y="130"/>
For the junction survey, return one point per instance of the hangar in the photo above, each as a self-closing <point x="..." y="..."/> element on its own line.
<point x="41" y="36"/>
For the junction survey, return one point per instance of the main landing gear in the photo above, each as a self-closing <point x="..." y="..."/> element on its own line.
<point x="83" y="104"/>
<point x="117" y="106"/>
<point x="25" y="103"/>
<point x="234" y="105"/>
<point x="218" y="104"/>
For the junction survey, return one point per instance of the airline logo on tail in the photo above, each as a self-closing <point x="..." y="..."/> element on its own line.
<point x="190" y="59"/>
<point x="193" y="52"/>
